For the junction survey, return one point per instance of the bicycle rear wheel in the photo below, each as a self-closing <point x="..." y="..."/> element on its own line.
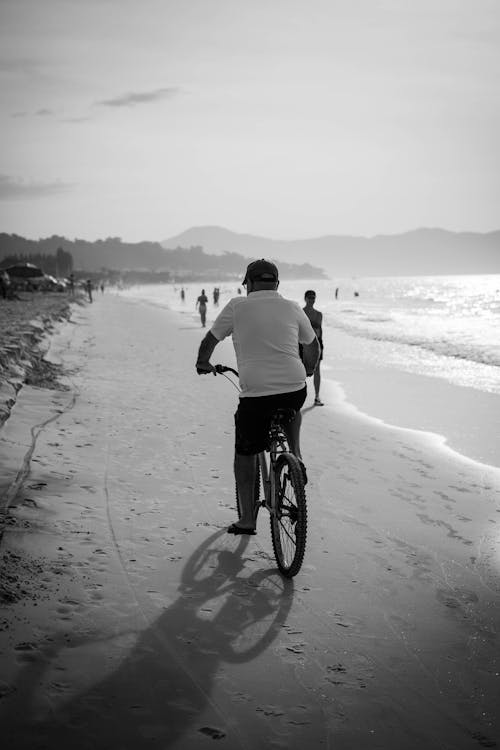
<point x="289" y="519"/>
<point x="256" y="494"/>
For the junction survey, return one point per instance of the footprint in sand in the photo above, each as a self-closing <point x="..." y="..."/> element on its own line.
<point x="483" y="740"/>
<point x="296" y="649"/>
<point x="6" y="689"/>
<point x="29" y="503"/>
<point x="270" y="711"/>
<point x="336" y="668"/>
<point x="28" y="652"/>
<point x="452" y="533"/>
<point x="215" y="734"/>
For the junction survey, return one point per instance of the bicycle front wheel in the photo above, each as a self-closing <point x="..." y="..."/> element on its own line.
<point x="289" y="517"/>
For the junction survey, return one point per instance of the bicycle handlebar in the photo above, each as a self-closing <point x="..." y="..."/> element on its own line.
<point x="224" y="368"/>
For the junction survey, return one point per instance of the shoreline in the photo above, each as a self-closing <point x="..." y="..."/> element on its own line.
<point x="448" y="421"/>
<point x="430" y="440"/>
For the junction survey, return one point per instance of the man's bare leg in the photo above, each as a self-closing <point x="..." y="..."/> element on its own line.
<point x="293" y="434"/>
<point x="245" y="468"/>
<point x="317" y="381"/>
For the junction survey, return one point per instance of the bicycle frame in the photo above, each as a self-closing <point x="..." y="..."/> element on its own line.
<point x="279" y="444"/>
<point x="283" y="482"/>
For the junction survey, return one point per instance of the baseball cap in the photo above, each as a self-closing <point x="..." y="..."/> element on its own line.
<point x="261" y="270"/>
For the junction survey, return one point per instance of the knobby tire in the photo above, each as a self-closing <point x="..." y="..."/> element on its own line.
<point x="289" y="520"/>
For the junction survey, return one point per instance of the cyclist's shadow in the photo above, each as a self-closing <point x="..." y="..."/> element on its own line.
<point x="159" y="691"/>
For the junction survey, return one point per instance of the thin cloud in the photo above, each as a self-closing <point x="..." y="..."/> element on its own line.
<point x="75" y="119"/>
<point x="13" y="66"/>
<point x="14" y="188"/>
<point x="43" y="112"/>
<point x="134" y="98"/>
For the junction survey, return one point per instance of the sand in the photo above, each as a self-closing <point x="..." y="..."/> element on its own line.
<point x="130" y="619"/>
<point x="26" y="320"/>
<point x="465" y="417"/>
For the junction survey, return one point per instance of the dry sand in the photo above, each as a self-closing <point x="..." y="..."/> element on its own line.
<point x="132" y="620"/>
<point x="25" y="322"/>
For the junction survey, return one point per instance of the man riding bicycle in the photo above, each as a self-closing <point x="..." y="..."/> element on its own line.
<point x="267" y="330"/>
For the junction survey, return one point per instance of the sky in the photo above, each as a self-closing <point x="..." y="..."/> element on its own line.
<point x="282" y="118"/>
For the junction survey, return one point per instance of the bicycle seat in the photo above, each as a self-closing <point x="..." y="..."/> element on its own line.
<point x="284" y="416"/>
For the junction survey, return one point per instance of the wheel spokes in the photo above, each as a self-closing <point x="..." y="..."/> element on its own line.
<point x="287" y="517"/>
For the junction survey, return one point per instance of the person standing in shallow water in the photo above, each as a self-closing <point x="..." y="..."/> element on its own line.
<point x="201" y="305"/>
<point x="316" y="319"/>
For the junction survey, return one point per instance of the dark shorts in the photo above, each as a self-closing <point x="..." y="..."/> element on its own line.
<point x="321" y="347"/>
<point x="253" y="418"/>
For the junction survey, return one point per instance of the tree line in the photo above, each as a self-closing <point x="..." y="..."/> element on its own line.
<point x="112" y="253"/>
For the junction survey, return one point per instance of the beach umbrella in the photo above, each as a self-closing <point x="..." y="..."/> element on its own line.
<point x="24" y="271"/>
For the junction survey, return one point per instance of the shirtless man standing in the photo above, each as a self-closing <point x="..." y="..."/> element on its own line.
<point x="316" y="319"/>
<point x="201" y="305"/>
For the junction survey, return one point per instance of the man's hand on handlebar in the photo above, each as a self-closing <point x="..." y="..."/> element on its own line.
<point x="204" y="368"/>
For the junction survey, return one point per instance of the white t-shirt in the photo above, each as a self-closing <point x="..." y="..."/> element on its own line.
<point x="267" y="330"/>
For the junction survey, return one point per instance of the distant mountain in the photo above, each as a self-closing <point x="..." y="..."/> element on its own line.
<point x="419" y="252"/>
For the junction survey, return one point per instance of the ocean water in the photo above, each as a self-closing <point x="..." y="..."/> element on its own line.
<point x="441" y="326"/>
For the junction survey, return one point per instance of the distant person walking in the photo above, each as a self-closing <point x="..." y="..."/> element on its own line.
<point x="216" y="296"/>
<point x="88" y="287"/>
<point x="316" y="319"/>
<point x="71" y="285"/>
<point x="337" y="293"/>
<point x="201" y="304"/>
<point x="4" y="283"/>
<point x="183" y="294"/>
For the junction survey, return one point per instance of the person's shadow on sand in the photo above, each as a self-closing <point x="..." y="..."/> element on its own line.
<point x="158" y="692"/>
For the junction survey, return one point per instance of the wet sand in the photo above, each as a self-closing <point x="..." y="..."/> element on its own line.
<point x="130" y="619"/>
<point x="465" y="418"/>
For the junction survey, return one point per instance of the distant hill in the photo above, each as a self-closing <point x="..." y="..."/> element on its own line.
<point x="419" y="252"/>
<point x="187" y="263"/>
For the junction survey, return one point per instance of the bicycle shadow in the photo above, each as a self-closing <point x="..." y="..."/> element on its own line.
<point x="166" y="681"/>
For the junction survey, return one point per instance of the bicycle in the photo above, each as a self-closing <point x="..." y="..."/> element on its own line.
<point x="283" y="482"/>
